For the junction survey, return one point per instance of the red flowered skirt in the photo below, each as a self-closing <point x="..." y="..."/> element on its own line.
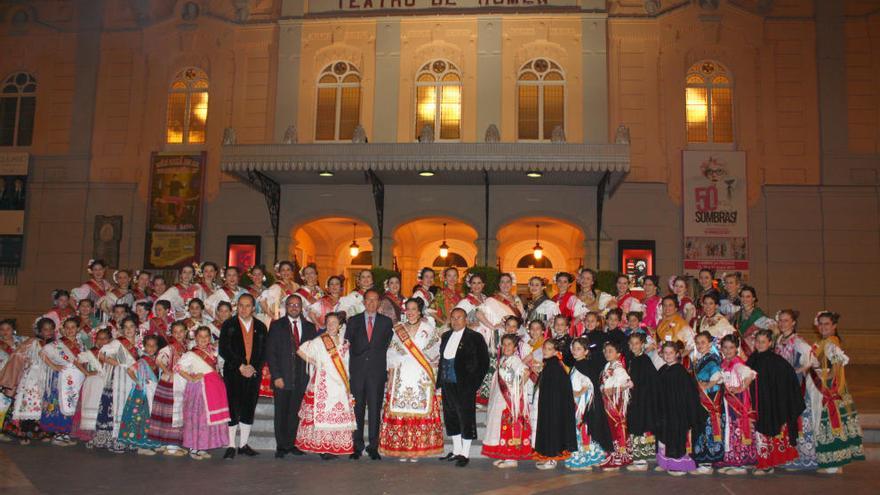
<point x="774" y="451"/>
<point x="319" y="441"/>
<point x="515" y="443"/>
<point x="411" y="436"/>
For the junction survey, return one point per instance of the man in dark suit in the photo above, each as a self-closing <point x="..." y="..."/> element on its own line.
<point x="243" y="348"/>
<point x="464" y="361"/>
<point x="289" y="374"/>
<point x="369" y="335"/>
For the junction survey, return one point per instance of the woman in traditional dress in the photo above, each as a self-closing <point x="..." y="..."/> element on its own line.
<point x="257" y="276"/>
<point x="166" y="413"/>
<point x="411" y="426"/>
<point x="89" y="323"/>
<point x="135" y="426"/>
<point x="595" y="300"/>
<point x="86" y="416"/>
<point x="678" y="416"/>
<point x="65" y="378"/>
<point x="837" y="429"/>
<point x="26" y="374"/>
<point x="708" y="446"/>
<point x="589" y="452"/>
<point x="229" y="292"/>
<point x="272" y="299"/>
<point x="626" y="301"/>
<point x="711" y="320"/>
<point x="120" y="293"/>
<point x="471" y="305"/>
<point x="95" y="288"/>
<point x="158" y="325"/>
<point x="799" y="355"/>
<point x="353" y="302"/>
<point x="686" y="307"/>
<point x="738" y="417"/>
<point x="207" y="277"/>
<point x="391" y="304"/>
<point x="749" y="319"/>
<point x="492" y="315"/>
<point x="326" y="425"/>
<point x="310" y="290"/>
<point x="141" y="285"/>
<point x="61" y="309"/>
<point x="117" y="357"/>
<point x="569" y="304"/>
<point x="319" y="310"/>
<point x="425" y="288"/>
<point x="674" y="328"/>
<point x="540" y="307"/>
<point x="778" y="402"/>
<point x="184" y="291"/>
<point x="8" y="343"/>
<point x="447" y="298"/>
<point x="205" y="406"/>
<point x="194" y="318"/>
<point x="508" y="429"/>
<point x="158" y="286"/>
<point x="639" y="414"/>
<point x="653" y="313"/>
<point x="615" y="385"/>
<point x="555" y="432"/>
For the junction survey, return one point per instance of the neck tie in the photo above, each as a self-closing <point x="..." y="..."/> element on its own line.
<point x="295" y="333"/>
<point x="369" y="328"/>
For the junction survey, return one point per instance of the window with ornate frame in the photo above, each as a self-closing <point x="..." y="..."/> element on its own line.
<point x="18" y="106"/>
<point x="338" y="102"/>
<point x="438" y="100"/>
<point x="540" y="102"/>
<point x="187" y="111"/>
<point x="709" y="104"/>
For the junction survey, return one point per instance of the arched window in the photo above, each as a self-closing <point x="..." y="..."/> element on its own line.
<point x="187" y="107"/>
<point x="339" y="102"/>
<point x="452" y="259"/>
<point x="709" y="104"/>
<point x="438" y="99"/>
<point x="540" y="99"/>
<point x="18" y="104"/>
<point x="529" y="261"/>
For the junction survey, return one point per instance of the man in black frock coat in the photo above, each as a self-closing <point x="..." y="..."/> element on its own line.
<point x="243" y="348"/>
<point x="289" y="373"/>
<point x="369" y="335"/>
<point x="464" y="361"/>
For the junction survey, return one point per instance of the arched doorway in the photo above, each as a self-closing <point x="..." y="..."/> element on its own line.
<point x="417" y="244"/>
<point x="562" y="248"/>
<point x="327" y="242"/>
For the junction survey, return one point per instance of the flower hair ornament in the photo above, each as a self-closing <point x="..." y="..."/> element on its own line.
<point x="115" y="275"/>
<point x="830" y="314"/>
<point x="468" y="278"/>
<point x="197" y="270"/>
<point x="251" y="274"/>
<point x="89" y="265"/>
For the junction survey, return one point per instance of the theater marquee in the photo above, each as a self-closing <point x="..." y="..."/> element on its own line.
<point x="326" y="6"/>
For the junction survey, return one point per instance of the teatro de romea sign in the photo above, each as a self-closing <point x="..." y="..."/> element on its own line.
<point x="326" y="6"/>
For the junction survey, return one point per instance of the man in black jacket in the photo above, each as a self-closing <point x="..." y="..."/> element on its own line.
<point x="243" y="348"/>
<point x="464" y="361"/>
<point x="289" y="374"/>
<point x="369" y="335"/>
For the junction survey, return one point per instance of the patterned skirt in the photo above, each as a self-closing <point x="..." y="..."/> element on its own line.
<point x="515" y="439"/>
<point x="587" y="455"/>
<point x="197" y="433"/>
<point x="806" y="443"/>
<point x="708" y="450"/>
<point x="5" y="405"/>
<point x="738" y="452"/>
<point x="643" y="447"/>
<point x="25" y="429"/>
<point x="75" y="430"/>
<point x="320" y="441"/>
<point x="161" y="416"/>
<point x="774" y="451"/>
<point x="835" y="449"/>
<point x="135" y="427"/>
<point x="410" y="436"/>
<point x="51" y="420"/>
<point x="104" y="437"/>
<point x="266" y="383"/>
<point x="684" y="463"/>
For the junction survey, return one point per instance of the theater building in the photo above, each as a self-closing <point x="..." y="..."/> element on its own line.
<point x="738" y="134"/>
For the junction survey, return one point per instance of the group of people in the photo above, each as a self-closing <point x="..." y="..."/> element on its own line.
<point x="690" y="383"/>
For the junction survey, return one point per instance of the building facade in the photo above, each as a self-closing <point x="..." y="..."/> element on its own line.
<point x="316" y="107"/>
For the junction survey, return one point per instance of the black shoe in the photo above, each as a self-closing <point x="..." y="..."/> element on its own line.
<point x="461" y="461"/>
<point x="248" y="451"/>
<point x="279" y="454"/>
<point x="448" y="457"/>
<point x="327" y="457"/>
<point x="230" y="453"/>
<point x="374" y="455"/>
<point x="295" y="451"/>
<point x="355" y="456"/>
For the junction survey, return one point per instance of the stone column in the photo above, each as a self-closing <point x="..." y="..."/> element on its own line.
<point x="488" y="73"/>
<point x="387" y="84"/>
<point x="287" y="91"/>
<point x="594" y="74"/>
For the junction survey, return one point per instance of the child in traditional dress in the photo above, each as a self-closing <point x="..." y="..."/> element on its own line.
<point x="508" y="431"/>
<point x="166" y="413"/>
<point x="739" y="425"/>
<point x="8" y="342"/>
<point x="205" y="406"/>
<point x="134" y="429"/>
<point x="61" y="394"/>
<point x="613" y="331"/>
<point x="555" y="437"/>
<point x="633" y="323"/>
<point x="27" y="406"/>
<point x="84" y="420"/>
<point x="679" y="414"/>
<point x="639" y="414"/>
<point x="589" y="453"/>
<point x="616" y="385"/>
<point x="708" y="446"/>
<point x="118" y="356"/>
<point x="561" y="326"/>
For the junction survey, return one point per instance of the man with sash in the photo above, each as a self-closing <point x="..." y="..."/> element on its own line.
<point x="242" y="347"/>
<point x="369" y="334"/>
<point x="289" y="372"/>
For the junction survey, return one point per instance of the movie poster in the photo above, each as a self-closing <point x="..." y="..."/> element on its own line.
<point x="715" y="203"/>
<point x="175" y="209"/>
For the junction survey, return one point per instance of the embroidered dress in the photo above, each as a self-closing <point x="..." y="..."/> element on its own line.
<point x="90" y="396"/>
<point x="652" y="317"/>
<point x="717" y="325"/>
<point x="204" y="402"/>
<point x="739" y="425"/>
<point x="589" y="453"/>
<point x="318" y="310"/>
<point x="411" y="424"/>
<point x="27" y="407"/>
<point x="352" y="303"/>
<point x="747" y="323"/>
<point x="391" y="305"/>
<point x="838" y="432"/>
<point x="615" y="380"/>
<point x="495" y="309"/>
<point x="6" y="351"/>
<point x="117" y="386"/>
<point x="224" y="294"/>
<point x="134" y="428"/>
<point x="166" y="413"/>
<point x="596" y="301"/>
<point x="272" y="299"/>
<point x="61" y="394"/>
<point x="446" y="299"/>
<point x="112" y="297"/>
<point x="92" y="290"/>
<point x="327" y="412"/>
<point x="179" y="296"/>
<point x="675" y="329"/>
<point x="542" y="309"/>
<point x="574" y="309"/>
<point x="708" y="448"/>
<point x="508" y="429"/>
<point x="799" y="354"/>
